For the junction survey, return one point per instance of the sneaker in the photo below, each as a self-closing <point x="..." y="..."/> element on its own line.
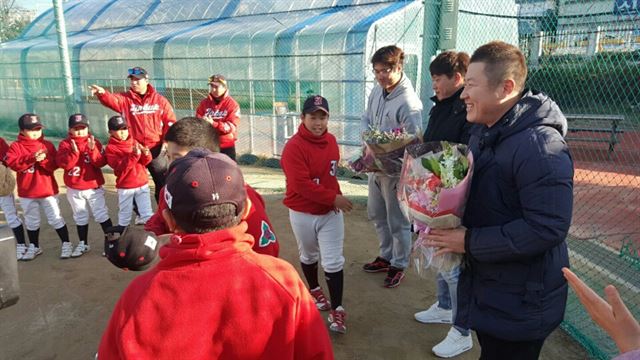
<point x="454" y="344"/>
<point x="434" y="315"/>
<point x="31" y="253"/>
<point x="66" y="250"/>
<point x="80" y="249"/>
<point x="336" y="320"/>
<point x="20" y="250"/>
<point x="377" y="265"/>
<point x="139" y="220"/>
<point x="321" y="301"/>
<point x="394" y="276"/>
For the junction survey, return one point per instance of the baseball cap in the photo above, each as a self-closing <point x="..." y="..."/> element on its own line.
<point x="78" y="120"/>
<point x="138" y="73"/>
<point x="117" y="122"/>
<point x="314" y="103"/>
<point x="218" y="78"/>
<point x="29" y="122"/>
<point x="201" y="179"/>
<point x="130" y="248"/>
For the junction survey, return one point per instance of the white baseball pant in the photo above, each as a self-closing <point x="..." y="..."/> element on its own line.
<point x="125" y="204"/>
<point x="8" y="206"/>
<point x="31" y="209"/>
<point x="319" y="236"/>
<point x="82" y="200"/>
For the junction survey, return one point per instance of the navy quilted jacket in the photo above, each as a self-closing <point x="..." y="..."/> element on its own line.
<point x="518" y="215"/>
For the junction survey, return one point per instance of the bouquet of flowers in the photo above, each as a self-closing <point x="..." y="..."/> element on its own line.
<point x="432" y="191"/>
<point x="383" y="151"/>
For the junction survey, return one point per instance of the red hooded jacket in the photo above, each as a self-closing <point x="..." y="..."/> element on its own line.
<point x="310" y="164"/>
<point x="128" y="166"/>
<point x="82" y="168"/>
<point x="35" y="180"/>
<point x="226" y="117"/>
<point x="149" y="116"/>
<point x="260" y="227"/>
<point x="212" y="297"/>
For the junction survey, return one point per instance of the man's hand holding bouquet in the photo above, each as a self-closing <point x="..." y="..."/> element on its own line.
<point x="383" y="151"/>
<point x="433" y="188"/>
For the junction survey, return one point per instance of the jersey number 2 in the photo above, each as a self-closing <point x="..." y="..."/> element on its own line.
<point x="75" y="171"/>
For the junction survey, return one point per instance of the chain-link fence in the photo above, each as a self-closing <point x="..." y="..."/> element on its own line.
<point x="584" y="54"/>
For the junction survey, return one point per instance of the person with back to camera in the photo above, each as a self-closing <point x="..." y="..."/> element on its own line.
<point x="8" y="202"/>
<point x="211" y="296"/>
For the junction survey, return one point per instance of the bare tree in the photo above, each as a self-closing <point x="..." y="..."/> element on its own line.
<point x="11" y="22"/>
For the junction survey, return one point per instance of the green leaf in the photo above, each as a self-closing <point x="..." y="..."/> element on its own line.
<point x="432" y="165"/>
<point x="461" y="167"/>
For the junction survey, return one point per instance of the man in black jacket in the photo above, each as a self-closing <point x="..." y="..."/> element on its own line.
<point x="448" y="122"/>
<point x="511" y="289"/>
<point x="448" y="117"/>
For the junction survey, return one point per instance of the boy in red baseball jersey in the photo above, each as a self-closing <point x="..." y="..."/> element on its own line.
<point x="223" y="113"/>
<point x="81" y="157"/>
<point x="310" y="161"/>
<point x="190" y="133"/>
<point x="8" y="202"/>
<point x="202" y="300"/>
<point x="128" y="159"/>
<point x="34" y="160"/>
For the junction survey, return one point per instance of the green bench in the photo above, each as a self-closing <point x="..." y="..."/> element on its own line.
<point x="593" y="124"/>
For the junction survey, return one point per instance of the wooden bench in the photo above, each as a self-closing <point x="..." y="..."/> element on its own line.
<point x="588" y="123"/>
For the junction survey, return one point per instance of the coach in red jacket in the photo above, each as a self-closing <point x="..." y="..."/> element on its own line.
<point x="148" y="115"/>
<point x="223" y="113"/>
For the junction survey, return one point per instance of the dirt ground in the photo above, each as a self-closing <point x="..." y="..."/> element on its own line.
<point x="65" y="304"/>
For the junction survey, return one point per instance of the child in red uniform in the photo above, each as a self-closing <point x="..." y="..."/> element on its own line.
<point x="223" y="113"/>
<point x="8" y="202"/>
<point x="187" y="134"/>
<point x="34" y="160"/>
<point x="128" y="159"/>
<point x="309" y="162"/>
<point x="81" y="157"/>
<point x="189" y="307"/>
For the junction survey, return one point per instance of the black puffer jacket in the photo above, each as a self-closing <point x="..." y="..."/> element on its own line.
<point x="448" y="120"/>
<point x="518" y="215"/>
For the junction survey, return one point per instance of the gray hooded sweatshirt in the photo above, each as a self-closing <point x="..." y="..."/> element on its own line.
<point x="401" y="108"/>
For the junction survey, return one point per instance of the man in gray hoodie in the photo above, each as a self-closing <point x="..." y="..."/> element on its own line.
<point x="393" y="104"/>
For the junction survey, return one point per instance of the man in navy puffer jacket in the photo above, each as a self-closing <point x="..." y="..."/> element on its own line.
<point x="511" y="290"/>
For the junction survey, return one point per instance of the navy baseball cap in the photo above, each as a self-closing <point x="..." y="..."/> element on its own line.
<point x="117" y="122"/>
<point x="201" y="179"/>
<point x="130" y="248"/>
<point x="137" y="72"/>
<point x="78" y="120"/>
<point x="29" y="122"/>
<point x="315" y="103"/>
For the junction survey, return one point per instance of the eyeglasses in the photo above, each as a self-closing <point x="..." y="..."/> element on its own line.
<point x="137" y="71"/>
<point x="381" y="71"/>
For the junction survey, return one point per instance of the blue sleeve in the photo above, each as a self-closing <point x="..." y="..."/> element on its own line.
<point x="543" y="176"/>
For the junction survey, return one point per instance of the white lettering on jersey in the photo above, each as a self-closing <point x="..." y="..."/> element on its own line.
<point x="75" y="171"/>
<point x="144" y="109"/>
<point x="316" y="180"/>
<point x="215" y="196"/>
<point x="215" y="114"/>
<point x="334" y="167"/>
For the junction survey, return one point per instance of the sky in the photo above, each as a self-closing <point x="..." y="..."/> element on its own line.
<point x="38" y="5"/>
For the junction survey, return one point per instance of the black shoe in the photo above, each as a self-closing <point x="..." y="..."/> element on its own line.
<point x="377" y="265"/>
<point x="394" y="276"/>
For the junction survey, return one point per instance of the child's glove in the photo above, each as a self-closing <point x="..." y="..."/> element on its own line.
<point x="130" y="248"/>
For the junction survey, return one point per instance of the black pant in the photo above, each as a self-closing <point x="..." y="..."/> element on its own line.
<point x="493" y="348"/>
<point x="230" y="152"/>
<point x="158" y="168"/>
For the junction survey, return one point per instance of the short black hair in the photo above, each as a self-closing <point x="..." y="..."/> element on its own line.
<point x="450" y="62"/>
<point x="209" y="219"/>
<point x="390" y="56"/>
<point x="192" y="132"/>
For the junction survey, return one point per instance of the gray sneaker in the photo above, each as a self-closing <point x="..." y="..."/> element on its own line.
<point x="31" y="253"/>
<point x="80" y="249"/>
